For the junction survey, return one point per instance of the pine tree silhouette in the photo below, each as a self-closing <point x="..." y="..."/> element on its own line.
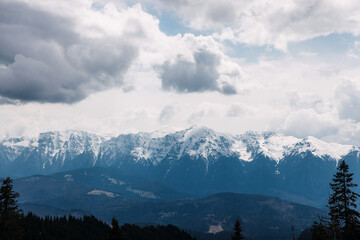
<point x="115" y="232"/>
<point x="320" y="230"/>
<point x="10" y="215"/>
<point x="343" y="219"/>
<point x="342" y="205"/>
<point x="237" y="231"/>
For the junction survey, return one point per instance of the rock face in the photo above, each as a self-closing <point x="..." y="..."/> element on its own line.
<point x="197" y="160"/>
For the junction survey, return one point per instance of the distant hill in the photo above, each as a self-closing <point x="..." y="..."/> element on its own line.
<point x="262" y="217"/>
<point x="85" y="183"/>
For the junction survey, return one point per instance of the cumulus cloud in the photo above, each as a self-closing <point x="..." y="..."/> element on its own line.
<point x="199" y="66"/>
<point x="185" y="76"/>
<point x="74" y="50"/>
<point x="262" y="22"/>
<point x="49" y="54"/>
<point x="347" y="99"/>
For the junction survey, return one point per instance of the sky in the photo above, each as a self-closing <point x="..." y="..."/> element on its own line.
<point x="111" y="67"/>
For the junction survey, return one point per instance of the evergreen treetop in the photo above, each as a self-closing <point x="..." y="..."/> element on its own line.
<point x="10" y="214"/>
<point x="237" y="231"/>
<point x="343" y="219"/>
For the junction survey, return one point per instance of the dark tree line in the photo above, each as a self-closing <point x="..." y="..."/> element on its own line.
<point x="14" y="225"/>
<point x="342" y="222"/>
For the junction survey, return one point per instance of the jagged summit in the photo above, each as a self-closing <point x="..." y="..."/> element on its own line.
<point x="196" y="142"/>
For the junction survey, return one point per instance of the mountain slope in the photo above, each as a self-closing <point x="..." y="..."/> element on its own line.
<point x="101" y="183"/>
<point x="195" y="160"/>
<point x="262" y="217"/>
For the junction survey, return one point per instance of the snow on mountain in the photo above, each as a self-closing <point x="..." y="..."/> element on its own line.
<point x="13" y="147"/>
<point x="74" y="142"/>
<point x="278" y="146"/>
<point x="204" y="142"/>
<point x="141" y="147"/>
<point x="57" y="146"/>
<point x="102" y="192"/>
<point x="195" y="160"/>
<point x="269" y="144"/>
<point x="152" y="148"/>
<point x="53" y="146"/>
<point x="322" y="149"/>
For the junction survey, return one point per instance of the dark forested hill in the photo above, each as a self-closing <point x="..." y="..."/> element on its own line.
<point x="262" y="217"/>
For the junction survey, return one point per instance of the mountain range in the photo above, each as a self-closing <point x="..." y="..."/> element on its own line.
<point x="195" y="161"/>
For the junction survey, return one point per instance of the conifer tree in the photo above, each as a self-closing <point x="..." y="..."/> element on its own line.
<point x="115" y="232"/>
<point x="10" y="214"/>
<point x="320" y="230"/>
<point x="237" y="231"/>
<point x="344" y="219"/>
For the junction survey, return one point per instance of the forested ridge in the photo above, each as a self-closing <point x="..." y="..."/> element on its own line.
<point x="14" y="225"/>
<point x="341" y="223"/>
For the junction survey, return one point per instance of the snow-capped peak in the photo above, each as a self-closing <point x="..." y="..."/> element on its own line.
<point x="20" y="142"/>
<point x="202" y="141"/>
<point x="197" y="142"/>
<point x="278" y="146"/>
<point x="269" y="144"/>
<point x="320" y="148"/>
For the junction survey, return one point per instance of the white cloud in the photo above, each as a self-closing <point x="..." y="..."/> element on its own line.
<point x="262" y="22"/>
<point x="308" y="54"/>
<point x="355" y="50"/>
<point x="307" y="122"/>
<point x="307" y="100"/>
<point x="347" y="99"/>
<point x="167" y="114"/>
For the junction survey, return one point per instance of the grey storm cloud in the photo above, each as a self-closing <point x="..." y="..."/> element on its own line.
<point x="185" y="76"/>
<point x="45" y="60"/>
<point x="22" y="25"/>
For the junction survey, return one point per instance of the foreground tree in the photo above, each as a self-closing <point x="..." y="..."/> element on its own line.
<point x="342" y="204"/>
<point x="115" y="232"/>
<point x="320" y="230"/>
<point x="343" y="220"/>
<point x="10" y="214"/>
<point x="237" y="231"/>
